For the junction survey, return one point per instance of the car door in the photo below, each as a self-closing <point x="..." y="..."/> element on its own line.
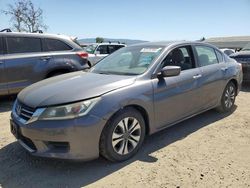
<point x="3" y="84"/>
<point x="24" y="62"/>
<point x="211" y="81"/>
<point x="176" y="97"/>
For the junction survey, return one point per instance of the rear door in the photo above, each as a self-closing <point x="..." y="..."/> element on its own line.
<point x="212" y="79"/>
<point x="24" y="62"/>
<point x="3" y="85"/>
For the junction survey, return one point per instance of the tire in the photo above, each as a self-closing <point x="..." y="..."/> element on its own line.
<point x="123" y="135"/>
<point x="228" y="98"/>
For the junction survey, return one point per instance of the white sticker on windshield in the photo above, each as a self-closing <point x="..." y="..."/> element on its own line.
<point x="152" y="50"/>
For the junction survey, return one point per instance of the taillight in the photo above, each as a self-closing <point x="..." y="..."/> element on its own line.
<point x="83" y="54"/>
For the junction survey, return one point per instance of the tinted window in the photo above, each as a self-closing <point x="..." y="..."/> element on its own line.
<point x="219" y="56"/>
<point x="1" y="45"/>
<point x="103" y="49"/>
<point x="55" y="45"/>
<point x="206" y="55"/>
<point x="112" y="48"/>
<point x="182" y="57"/>
<point x="23" y="44"/>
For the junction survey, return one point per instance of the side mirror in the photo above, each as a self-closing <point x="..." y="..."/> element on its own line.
<point x="169" y="71"/>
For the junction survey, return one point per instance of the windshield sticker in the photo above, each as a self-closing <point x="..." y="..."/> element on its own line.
<point x="150" y="50"/>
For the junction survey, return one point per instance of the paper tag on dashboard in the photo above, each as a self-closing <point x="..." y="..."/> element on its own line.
<point x="152" y="50"/>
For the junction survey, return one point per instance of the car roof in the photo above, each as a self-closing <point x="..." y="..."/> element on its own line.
<point x="173" y="43"/>
<point x="40" y="35"/>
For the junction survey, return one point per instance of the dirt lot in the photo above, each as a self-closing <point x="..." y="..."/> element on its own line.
<point x="210" y="150"/>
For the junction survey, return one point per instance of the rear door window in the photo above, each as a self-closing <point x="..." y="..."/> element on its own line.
<point x="103" y="49"/>
<point x="206" y="55"/>
<point x="55" y="45"/>
<point x="1" y="45"/>
<point x="113" y="48"/>
<point x="23" y="45"/>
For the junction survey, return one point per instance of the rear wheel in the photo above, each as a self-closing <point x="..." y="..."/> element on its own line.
<point x="228" y="98"/>
<point x="123" y="135"/>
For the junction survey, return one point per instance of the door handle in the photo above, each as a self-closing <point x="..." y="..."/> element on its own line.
<point x="197" y="76"/>
<point x="1" y="62"/>
<point x="46" y="58"/>
<point x="224" y="68"/>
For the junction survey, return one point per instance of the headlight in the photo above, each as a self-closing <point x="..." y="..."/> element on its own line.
<point x="69" y="111"/>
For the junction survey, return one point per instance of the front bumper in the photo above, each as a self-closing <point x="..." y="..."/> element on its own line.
<point x="66" y="139"/>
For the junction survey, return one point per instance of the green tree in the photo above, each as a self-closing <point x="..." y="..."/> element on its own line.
<point x="99" y="39"/>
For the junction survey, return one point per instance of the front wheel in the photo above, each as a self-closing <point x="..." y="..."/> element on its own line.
<point x="228" y="98"/>
<point x="123" y="135"/>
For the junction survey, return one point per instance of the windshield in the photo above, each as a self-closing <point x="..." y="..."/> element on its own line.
<point x="247" y="47"/>
<point x="90" y="48"/>
<point x="133" y="60"/>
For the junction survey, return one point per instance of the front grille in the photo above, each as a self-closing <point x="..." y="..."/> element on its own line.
<point x="24" y="111"/>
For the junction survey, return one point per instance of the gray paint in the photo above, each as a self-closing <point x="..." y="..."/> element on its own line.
<point x="166" y="101"/>
<point x="20" y="70"/>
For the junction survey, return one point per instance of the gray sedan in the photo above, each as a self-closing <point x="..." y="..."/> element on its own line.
<point x="134" y="92"/>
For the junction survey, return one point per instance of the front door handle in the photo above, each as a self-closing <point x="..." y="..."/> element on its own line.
<point x="197" y="76"/>
<point x="1" y="62"/>
<point x="46" y="58"/>
<point x="224" y="69"/>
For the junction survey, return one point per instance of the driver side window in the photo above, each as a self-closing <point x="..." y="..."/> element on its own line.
<point x="181" y="56"/>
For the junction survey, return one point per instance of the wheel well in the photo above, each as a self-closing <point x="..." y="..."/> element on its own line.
<point x="235" y="83"/>
<point x="144" y="115"/>
<point x="57" y="71"/>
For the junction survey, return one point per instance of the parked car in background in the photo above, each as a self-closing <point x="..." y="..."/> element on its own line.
<point x="26" y="58"/>
<point x="228" y="51"/>
<point x="243" y="57"/>
<point x="134" y="92"/>
<point x="98" y="51"/>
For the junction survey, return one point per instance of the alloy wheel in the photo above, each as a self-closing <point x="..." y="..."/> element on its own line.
<point x="229" y="96"/>
<point x="126" y="135"/>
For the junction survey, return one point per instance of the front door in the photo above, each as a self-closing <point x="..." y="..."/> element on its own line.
<point x="176" y="97"/>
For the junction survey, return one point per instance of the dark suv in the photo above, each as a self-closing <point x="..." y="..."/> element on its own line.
<point x="26" y="58"/>
<point x="243" y="57"/>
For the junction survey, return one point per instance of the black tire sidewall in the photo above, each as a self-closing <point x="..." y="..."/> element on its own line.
<point x="128" y="112"/>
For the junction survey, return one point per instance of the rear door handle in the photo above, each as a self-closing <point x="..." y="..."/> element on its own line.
<point x="46" y="58"/>
<point x="224" y="68"/>
<point x="197" y="76"/>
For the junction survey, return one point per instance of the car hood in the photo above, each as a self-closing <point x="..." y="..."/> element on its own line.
<point x="71" y="87"/>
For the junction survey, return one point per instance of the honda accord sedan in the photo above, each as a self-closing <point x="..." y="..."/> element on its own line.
<point x="134" y="92"/>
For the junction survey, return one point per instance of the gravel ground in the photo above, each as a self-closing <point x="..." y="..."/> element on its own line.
<point x="209" y="150"/>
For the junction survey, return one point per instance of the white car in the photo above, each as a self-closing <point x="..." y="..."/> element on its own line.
<point x="98" y="51"/>
<point x="227" y="51"/>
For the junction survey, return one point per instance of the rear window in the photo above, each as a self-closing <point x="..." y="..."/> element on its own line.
<point x="23" y="45"/>
<point x="55" y="45"/>
<point x="1" y="45"/>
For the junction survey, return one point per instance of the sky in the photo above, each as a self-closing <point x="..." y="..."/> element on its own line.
<point x="151" y="20"/>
